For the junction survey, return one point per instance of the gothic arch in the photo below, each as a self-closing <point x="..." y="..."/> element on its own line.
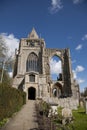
<point x="64" y="55"/>
<point x="57" y="90"/>
<point x="31" y="93"/>
<point x="32" y="62"/>
<point x="57" y="53"/>
<point x="54" y="54"/>
<point x="58" y="59"/>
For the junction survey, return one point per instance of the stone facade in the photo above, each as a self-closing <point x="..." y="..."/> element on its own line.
<point x="32" y="70"/>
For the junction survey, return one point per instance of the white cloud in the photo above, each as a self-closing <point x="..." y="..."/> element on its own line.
<point x="74" y="74"/>
<point x="11" y="42"/>
<point x="84" y="37"/>
<point x="80" y="81"/>
<point x="77" y="1"/>
<point x="78" y="69"/>
<point x="56" y="5"/>
<point x="79" y="47"/>
<point x="55" y="67"/>
<point x="10" y="74"/>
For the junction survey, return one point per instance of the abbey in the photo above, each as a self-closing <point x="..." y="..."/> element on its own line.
<point x="32" y="70"/>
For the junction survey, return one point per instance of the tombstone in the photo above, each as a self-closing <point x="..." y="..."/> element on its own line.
<point x="66" y="115"/>
<point x="53" y="111"/>
<point x="86" y="104"/>
<point x="82" y="104"/>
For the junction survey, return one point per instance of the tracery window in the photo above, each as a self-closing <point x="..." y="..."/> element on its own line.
<point x="32" y="62"/>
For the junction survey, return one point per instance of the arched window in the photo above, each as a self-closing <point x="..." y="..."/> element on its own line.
<point x="32" y="78"/>
<point x="56" y="68"/>
<point x="32" y="62"/>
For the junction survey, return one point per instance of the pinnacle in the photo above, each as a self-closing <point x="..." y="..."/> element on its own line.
<point x="33" y="34"/>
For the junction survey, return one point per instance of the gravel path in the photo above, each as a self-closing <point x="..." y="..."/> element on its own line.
<point x="25" y="119"/>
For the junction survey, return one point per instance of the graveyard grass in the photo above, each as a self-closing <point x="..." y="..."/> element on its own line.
<point x="80" y="120"/>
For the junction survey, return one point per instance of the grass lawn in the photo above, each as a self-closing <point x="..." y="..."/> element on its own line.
<point x="80" y="120"/>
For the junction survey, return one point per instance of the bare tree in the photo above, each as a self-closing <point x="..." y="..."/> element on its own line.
<point x="3" y="48"/>
<point x="6" y="61"/>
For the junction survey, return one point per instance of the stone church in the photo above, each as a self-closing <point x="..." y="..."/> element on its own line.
<point x="32" y="70"/>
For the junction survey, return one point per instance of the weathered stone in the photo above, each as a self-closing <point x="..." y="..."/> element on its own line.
<point x="32" y="72"/>
<point x="81" y="104"/>
<point x="54" y="110"/>
<point x="66" y="112"/>
<point x="86" y="104"/>
<point x="66" y="115"/>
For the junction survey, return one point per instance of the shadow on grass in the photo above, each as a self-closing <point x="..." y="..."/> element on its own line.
<point x="82" y="113"/>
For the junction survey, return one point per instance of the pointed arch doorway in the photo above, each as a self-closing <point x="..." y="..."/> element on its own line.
<point x="31" y="93"/>
<point x="57" y="90"/>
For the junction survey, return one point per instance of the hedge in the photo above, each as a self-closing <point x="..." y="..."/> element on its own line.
<point x="11" y="100"/>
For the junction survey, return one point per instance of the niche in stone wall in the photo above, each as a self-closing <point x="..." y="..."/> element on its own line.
<point x="55" y="68"/>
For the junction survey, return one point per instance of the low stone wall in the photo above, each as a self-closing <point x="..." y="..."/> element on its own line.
<point x="69" y="103"/>
<point x="64" y="102"/>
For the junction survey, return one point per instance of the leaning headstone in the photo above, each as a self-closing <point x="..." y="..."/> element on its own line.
<point x="66" y="115"/>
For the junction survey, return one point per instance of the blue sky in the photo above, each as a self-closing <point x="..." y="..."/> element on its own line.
<point x="62" y="23"/>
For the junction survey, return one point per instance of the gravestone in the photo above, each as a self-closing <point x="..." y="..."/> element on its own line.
<point x="53" y="111"/>
<point x="86" y="104"/>
<point x="66" y="115"/>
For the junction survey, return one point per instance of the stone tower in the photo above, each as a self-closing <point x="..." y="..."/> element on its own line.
<point x="32" y="70"/>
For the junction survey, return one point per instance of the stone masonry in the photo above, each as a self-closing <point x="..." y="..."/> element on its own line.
<point x="32" y="70"/>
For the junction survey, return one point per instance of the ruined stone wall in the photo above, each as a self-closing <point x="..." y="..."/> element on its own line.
<point x="43" y="79"/>
<point x="63" y="102"/>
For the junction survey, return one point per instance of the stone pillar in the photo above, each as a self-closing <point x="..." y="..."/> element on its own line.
<point x="19" y="64"/>
<point x="36" y="94"/>
<point x="43" y="61"/>
<point x="67" y="74"/>
<point x="40" y="91"/>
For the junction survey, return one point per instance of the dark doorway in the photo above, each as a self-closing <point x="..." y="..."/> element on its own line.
<point x="31" y="93"/>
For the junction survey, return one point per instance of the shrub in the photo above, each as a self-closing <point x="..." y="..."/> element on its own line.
<point x="44" y="108"/>
<point x="11" y="100"/>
